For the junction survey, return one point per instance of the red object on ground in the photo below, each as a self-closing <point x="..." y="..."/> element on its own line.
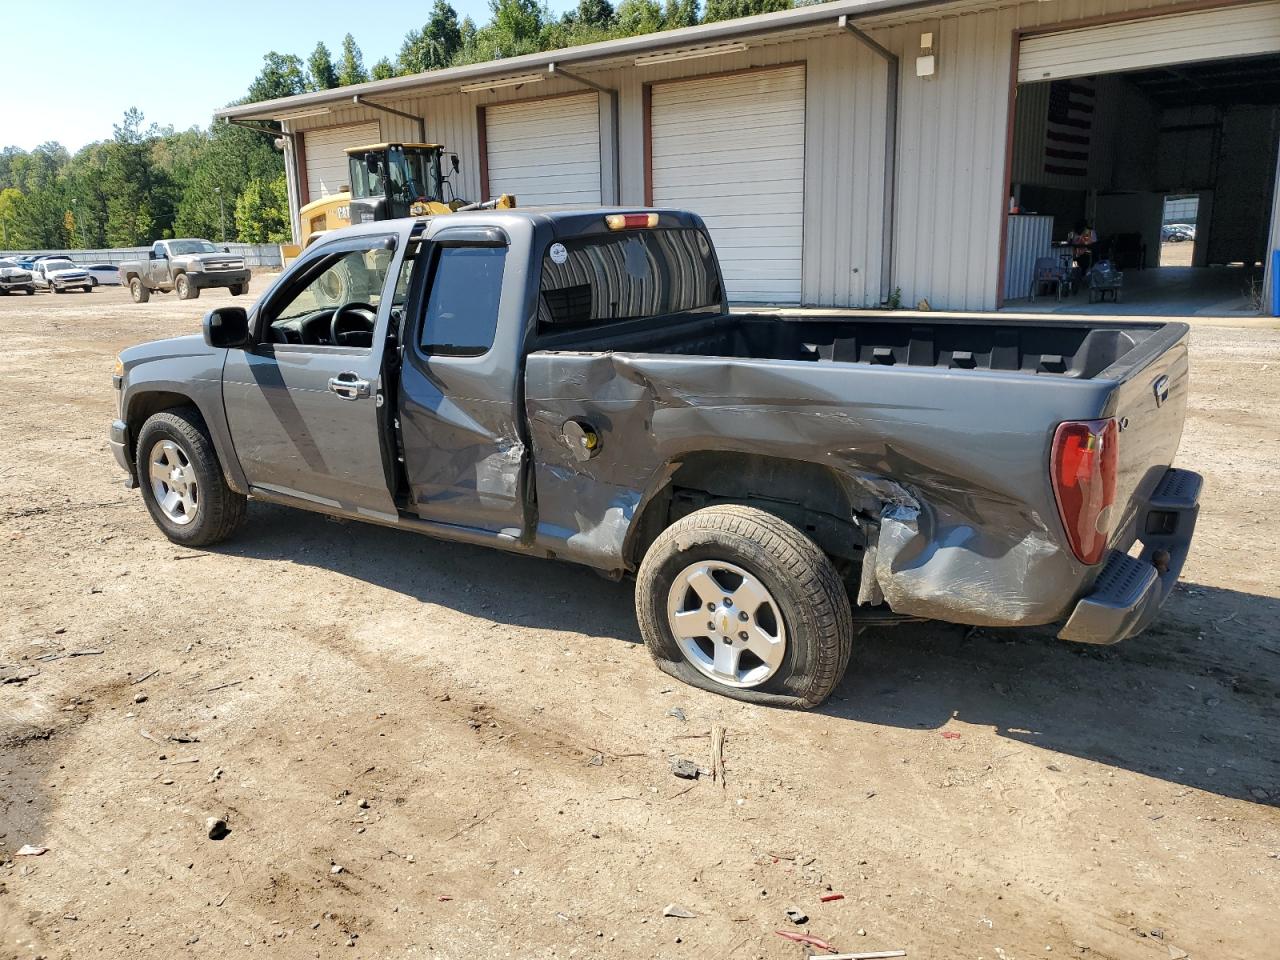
<point x="831" y="896"/>
<point x="443" y="899"/>
<point x="950" y="735"/>
<point x="805" y="938"/>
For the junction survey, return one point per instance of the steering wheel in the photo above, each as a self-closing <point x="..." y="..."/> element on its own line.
<point x="361" y="314"/>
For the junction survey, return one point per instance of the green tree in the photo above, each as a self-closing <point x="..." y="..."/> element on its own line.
<point x="282" y="76"/>
<point x="435" y="45"/>
<point x="679" y="13"/>
<point x="232" y="158"/>
<point x="729" y="9"/>
<point x="639" y="16"/>
<point x="262" y="212"/>
<point x="351" y="70"/>
<point x="384" y="69"/>
<point x="322" y="74"/>
<point x="130" y="180"/>
<point x="10" y="198"/>
<point x="595" y="13"/>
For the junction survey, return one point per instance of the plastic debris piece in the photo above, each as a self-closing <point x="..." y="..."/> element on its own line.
<point x="805" y="938"/>
<point x="828" y="898"/>
<point x="675" y="910"/>
<point x="950" y="735"/>
<point x="30" y="850"/>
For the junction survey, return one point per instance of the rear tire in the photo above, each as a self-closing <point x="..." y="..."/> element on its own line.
<point x="807" y="606"/>
<point x="182" y="482"/>
<point x="138" y="290"/>
<point x="239" y="289"/>
<point x="185" y="288"/>
<point x="88" y="289"/>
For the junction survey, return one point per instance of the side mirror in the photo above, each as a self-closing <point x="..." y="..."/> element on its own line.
<point x="151" y="254"/>
<point x="227" y="328"/>
<point x="226" y="249"/>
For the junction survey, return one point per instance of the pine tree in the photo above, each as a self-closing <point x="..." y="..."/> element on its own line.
<point x="323" y="74"/>
<point x="352" y="67"/>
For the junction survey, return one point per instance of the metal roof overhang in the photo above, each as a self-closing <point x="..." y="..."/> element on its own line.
<point x="800" y="19"/>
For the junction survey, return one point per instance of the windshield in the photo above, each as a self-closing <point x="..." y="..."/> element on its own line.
<point x="58" y="265"/>
<point x="181" y="248"/>
<point x="405" y="176"/>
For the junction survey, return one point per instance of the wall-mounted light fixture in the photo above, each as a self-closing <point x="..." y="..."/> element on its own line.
<point x="927" y="62"/>
<point x="484" y="86"/>
<point x="690" y="53"/>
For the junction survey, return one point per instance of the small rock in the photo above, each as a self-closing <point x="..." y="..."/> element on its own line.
<point x="861" y="932"/>
<point x="335" y="869"/>
<point x="167" y="781"/>
<point x="685" y="769"/>
<point x="677" y="713"/>
<point x="675" y="910"/>
<point x="797" y="916"/>
<point x="31" y="850"/>
<point x="216" y="827"/>
<point x="1158" y="933"/>
<point x="362" y="804"/>
<point x="1054" y="767"/>
<point x="1175" y="953"/>
<point x="140" y="698"/>
<point x="597" y="760"/>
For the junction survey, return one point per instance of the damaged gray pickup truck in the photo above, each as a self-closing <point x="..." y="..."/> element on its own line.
<point x="572" y="386"/>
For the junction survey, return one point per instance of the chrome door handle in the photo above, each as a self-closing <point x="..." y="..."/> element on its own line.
<point x="349" y="386"/>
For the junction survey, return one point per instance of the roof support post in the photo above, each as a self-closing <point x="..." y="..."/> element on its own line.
<point x="422" y="124"/>
<point x="890" y="150"/>
<point x="556" y="70"/>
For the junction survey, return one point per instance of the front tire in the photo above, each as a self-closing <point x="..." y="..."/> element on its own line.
<point x="734" y="600"/>
<point x="185" y="288"/>
<point x="182" y="482"/>
<point x="138" y="290"/>
<point x="239" y="289"/>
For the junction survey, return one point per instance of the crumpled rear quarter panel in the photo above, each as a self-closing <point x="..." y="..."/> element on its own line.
<point x="949" y="469"/>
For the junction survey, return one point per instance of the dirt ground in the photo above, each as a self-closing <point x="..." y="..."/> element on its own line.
<point x="481" y="744"/>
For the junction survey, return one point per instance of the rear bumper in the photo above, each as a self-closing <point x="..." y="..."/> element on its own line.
<point x="1129" y="591"/>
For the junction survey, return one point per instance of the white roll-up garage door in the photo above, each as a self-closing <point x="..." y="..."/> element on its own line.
<point x="1151" y="42"/>
<point x="545" y="152"/>
<point x="732" y="150"/>
<point x="327" y="157"/>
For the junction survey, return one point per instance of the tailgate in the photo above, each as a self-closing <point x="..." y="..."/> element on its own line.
<point x="1150" y="405"/>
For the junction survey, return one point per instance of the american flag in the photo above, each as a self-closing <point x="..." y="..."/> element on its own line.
<point x="1066" y="137"/>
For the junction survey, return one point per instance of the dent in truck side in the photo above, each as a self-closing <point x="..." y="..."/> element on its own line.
<point x="949" y="474"/>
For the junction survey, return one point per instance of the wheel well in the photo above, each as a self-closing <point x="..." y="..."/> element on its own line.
<point x="809" y="496"/>
<point x="143" y="407"/>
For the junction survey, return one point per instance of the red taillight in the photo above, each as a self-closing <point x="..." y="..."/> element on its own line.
<point x="1082" y="467"/>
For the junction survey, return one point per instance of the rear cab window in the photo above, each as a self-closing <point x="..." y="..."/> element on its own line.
<point x="608" y="278"/>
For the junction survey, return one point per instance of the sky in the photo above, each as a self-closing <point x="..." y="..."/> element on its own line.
<point x="176" y="62"/>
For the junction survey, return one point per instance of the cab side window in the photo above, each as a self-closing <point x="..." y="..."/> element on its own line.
<point x="461" y="315"/>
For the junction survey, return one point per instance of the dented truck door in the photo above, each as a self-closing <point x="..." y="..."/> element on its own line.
<point x="464" y="447"/>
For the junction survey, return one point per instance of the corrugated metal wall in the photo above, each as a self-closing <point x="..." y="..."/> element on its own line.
<point x="952" y="130"/>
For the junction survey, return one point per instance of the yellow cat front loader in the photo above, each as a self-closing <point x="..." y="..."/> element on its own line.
<point x="388" y="181"/>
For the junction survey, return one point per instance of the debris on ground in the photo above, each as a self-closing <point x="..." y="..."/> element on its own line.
<point x="675" y="910"/>
<point x="797" y="916"/>
<point x="140" y="698"/>
<point x="950" y="735"/>
<point x="805" y="938"/>
<point x="717" y="755"/>
<point x="17" y="674"/>
<point x="685" y="769"/>
<point x="31" y="850"/>
<point x="677" y="713"/>
<point x="216" y="828"/>
<point x="830" y="897"/>
<point x="335" y="869"/>
<point x="873" y="955"/>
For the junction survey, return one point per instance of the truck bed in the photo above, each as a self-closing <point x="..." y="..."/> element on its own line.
<point x="940" y="432"/>
<point x="1075" y="349"/>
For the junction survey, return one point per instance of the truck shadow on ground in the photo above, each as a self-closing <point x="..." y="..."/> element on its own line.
<point x="1195" y="700"/>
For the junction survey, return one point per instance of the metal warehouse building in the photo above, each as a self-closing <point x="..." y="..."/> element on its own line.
<point x="848" y="150"/>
